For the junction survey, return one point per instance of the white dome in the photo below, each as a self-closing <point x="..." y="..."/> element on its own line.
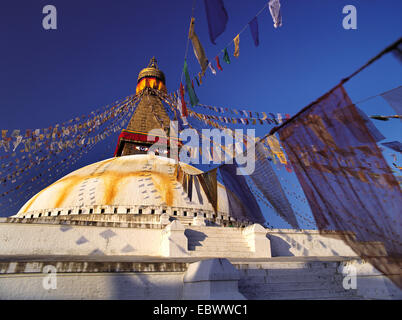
<point x="123" y="185"/>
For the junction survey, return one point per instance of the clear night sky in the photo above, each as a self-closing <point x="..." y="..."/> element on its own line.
<point x="93" y="58"/>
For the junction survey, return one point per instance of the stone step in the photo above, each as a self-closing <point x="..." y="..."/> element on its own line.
<point x="214" y="235"/>
<point x="289" y="272"/>
<point x="215" y="229"/>
<point x="280" y="265"/>
<point x="297" y="294"/>
<point x="211" y="242"/>
<point x="332" y="285"/>
<point x="220" y="254"/>
<point x="295" y="277"/>
<point x="219" y="249"/>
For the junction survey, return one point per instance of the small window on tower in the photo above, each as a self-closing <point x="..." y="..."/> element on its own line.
<point x="152" y="211"/>
<point x="91" y="211"/>
<point x="128" y="210"/>
<point x="139" y="211"/>
<point x="185" y="213"/>
<point x="48" y="214"/>
<point x="69" y="211"/>
<point x="80" y="211"/>
<point x="175" y="213"/>
<point x="59" y="213"/>
<point x="115" y="210"/>
<point x="102" y="210"/>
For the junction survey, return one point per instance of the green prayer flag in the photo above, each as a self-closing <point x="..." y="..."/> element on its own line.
<point x="191" y="93"/>
<point x="226" y="56"/>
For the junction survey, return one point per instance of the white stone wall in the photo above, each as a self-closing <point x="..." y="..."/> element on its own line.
<point x="46" y="239"/>
<point x="166" y="285"/>
<point x="305" y="243"/>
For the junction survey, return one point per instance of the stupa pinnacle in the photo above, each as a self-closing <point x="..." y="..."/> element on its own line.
<point x="150" y="113"/>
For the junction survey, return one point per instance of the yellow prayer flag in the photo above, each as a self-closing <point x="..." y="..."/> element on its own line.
<point x="236" y="43"/>
<point x="198" y="48"/>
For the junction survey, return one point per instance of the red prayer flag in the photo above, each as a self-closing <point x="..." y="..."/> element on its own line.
<point x="183" y="102"/>
<point x="218" y="64"/>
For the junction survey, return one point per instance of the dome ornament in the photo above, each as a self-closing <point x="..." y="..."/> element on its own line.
<point x="151" y="71"/>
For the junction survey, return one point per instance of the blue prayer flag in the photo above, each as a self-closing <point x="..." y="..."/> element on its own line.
<point x="217" y="18"/>
<point x="254" y="31"/>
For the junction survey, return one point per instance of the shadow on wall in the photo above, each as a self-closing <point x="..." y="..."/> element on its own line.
<point x="283" y="245"/>
<point x="279" y="247"/>
<point x="146" y="286"/>
<point x="194" y="237"/>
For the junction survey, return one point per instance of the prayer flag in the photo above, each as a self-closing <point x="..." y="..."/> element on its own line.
<point x="217" y="18"/>
<point x="242" y="203"/>
<point x="254" y="31"/>
<point x="212" y="68"/>
<point x="209" y="184"/>
<point x="190" y="90"/>
<point x="394" y="145"/>
<point x="236" y="41"/>
<point x="275" y="10"/>
<point x="226" y="56"/>
<point x="345" y="178"/>
<point x="218" y="64"/>
<point x="268" y="183"/>
<point x="183" y="106"/>
<point x="394" y="98"/>
<point x="198" y="49"/>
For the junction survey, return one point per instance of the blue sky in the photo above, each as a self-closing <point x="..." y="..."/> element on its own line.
<point x="93" y="58"/>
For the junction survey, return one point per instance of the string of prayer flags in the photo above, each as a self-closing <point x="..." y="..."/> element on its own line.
<point x="394" y="99"/>
<point x="275" y="10"/>
<point x="254" y="31"/>
<point x="218" y="64"/>
<point x="236" y="41"/>
<point x="226" y="56"/>
<point x="217" y="18"/>
<point x="198" y="49"/>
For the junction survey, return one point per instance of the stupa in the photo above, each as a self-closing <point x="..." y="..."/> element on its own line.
<point x="124" y="228"/>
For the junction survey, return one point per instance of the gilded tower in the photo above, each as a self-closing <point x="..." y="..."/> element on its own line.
<point x="150" y="113"/>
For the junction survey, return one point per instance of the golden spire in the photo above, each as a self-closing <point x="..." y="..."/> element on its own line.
<point x="152" y="71"/>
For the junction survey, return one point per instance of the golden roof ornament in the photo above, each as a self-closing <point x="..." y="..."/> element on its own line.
<point x="152" y="71"/>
